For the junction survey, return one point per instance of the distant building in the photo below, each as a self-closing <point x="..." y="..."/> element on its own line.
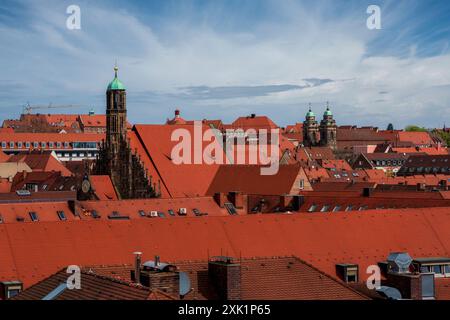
<point x="324" y="134"/>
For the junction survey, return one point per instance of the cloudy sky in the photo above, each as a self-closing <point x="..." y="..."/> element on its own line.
<point x="226" y="58"/>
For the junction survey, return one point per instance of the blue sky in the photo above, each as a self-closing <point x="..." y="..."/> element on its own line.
<point x="222" y="59"/>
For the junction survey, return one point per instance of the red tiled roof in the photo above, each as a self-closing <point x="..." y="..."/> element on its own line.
<point x="274" y="278"/>
<point x="41" y="161"/>
<point x="185" y="180"/>
<point x="46" y="211"/>
<point x="5" y="185"/>
<point x="93" y="287"/>
<point x="97" y="120"/>
<point x="417" y="138"/>
<point x="103" y="187"/>
<point x="51" y="137"/>
<point x="322" y="240"/>
<point x="249" y="180"/>
<point x="256" y="122"/>
<point x="131" y="208"/>
<point x="430" y="151"/>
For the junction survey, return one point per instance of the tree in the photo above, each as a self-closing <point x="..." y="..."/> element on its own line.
<point x="414" y="128"/>
<point x="390" y="127"/>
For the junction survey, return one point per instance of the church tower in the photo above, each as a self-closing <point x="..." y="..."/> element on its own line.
<point x="310" y="129"/>
<point x="116" y="117"/>
<point x="328" y="129"/>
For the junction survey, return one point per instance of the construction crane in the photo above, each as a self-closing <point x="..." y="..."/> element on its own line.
<point x="29" y="108"/>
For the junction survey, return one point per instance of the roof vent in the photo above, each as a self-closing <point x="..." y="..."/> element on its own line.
<point x="399" y="262"/>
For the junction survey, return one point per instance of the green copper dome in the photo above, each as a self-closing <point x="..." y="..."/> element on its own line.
<point x="310" y="114"/>
<point x="328" y="112"/>
<point x="116" y="84"/>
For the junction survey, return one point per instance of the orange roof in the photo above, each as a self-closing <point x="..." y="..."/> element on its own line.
<point x="96" y="120"/>
<point x="430" y="151"/>
<point x="41" y="162"/>
<point x="184" y="180"/>
<point x="336" y="164"/>
<point x="254" y="122"/>
<point x="417" y="138"/>
<point x="51" y="137"/>
<point x="248" y="179"/>
<point x="46" y="211"/>
<point x="131" y="208"/>
<point x="322" y="240"/>
<point x="103" y="187"/>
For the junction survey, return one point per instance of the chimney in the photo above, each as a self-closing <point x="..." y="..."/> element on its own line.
<point x="137" y="266"/>
<point x="224" y="275"/>
<point x="421" y="186"/>
<point x="253" y="116"/>
<point x="237" y="199"/>
<point x="157" y="275"/>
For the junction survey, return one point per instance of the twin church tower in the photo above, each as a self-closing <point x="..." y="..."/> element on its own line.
<point x="320" y="135"/>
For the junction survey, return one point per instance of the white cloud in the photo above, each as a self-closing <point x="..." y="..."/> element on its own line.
<point x="52" y="62"/>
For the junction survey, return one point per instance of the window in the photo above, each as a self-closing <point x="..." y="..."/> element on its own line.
<point x="447" y="269"/>
<point x="230" y="208"/>
<point x="27" y="145"/>
<point x="312" y="208"/>
<point x="349" y="208"/>
<point x="3" y="144"/>
<point x="11" y="144"/>
<point x="12" y="293"/>
<point x="362" y="208"/>
<point x="43" y="144"/>
<point x="171" y="212"/>
<point x="74" y="154"/>
<point x="436" y="269"/>
<point x="196" y="212"/>
<point x="36" y="145"/>
<point x="325" y="208"/>
<point x="50" y="144"/>
<point x="424" y="269"/>
<point x="34" y="217"/>
<point x="142" y="213"/>
<point x="19" y="145"/>
<point x="66" y="144"/>
<point x="347" y="272"/>
<point x="302" y="184"/>
<point x="337" y="208"/>
<point x="58" y="145"/>
<point x="95" y="214"/>
<point x="61" y="215"/>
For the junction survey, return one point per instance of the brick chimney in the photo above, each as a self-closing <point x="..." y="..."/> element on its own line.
<point x="409" y="285"/>
<point x="157" y="275"/>
<point x="224" y="275"/>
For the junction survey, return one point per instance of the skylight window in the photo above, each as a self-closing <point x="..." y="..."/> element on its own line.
<point x="61" y="215"/>
<point x="325" y="208"/>
<point x="312" y="208"/>
<point x="349" y="208"/>
<point x="230" y="208"/>
<point x="171" y="212"/>
<point x="34" y="216"/>
<point x="142" y="213"/>
<point x="337" y="208"/>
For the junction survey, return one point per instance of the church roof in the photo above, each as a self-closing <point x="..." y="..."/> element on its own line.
<point x="116" y="84"/>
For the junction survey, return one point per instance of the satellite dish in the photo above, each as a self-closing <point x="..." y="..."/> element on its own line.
<point x="390" y="293"/>
<point x="185" y="284"/>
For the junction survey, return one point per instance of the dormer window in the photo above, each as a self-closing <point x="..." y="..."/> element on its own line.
<point x="349" y="273"/>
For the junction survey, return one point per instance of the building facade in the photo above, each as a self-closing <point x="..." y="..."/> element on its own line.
<point x="324" y="134"/>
